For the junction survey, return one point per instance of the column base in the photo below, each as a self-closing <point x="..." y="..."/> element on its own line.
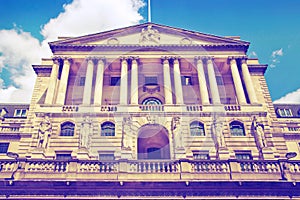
<point x="180" y="153"/>
<point x="223" y="153"/>
<point x="37" y="153"/>
<point x="267" y="153"/>
<point x="83" y="153"/>
<point x="126" y="153"/>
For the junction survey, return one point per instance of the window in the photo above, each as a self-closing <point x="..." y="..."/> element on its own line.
<point x="237" y="129"/>
<point x="243" y="156"/>
<point x="151" y="101"/>
<point x="186" y="80"/>
<point x="200" y="156"/>
<point x="106" y="156"/>
<point x="67" y="129"/>
<point x="82" y="81"/>
<point x="115" y="81"/>
<point x="108" y="129"/>
<point x="63" y="156"/>
<point x="197" y="129"/>
<point x="285" y="112"/>
<point x="4" y="147"/>
<point x="219" y="80"/>
<point x="150" y="80"/>
<point x="20" y="113"/>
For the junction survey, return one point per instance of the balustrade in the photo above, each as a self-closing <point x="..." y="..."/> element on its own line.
<point x="232" y="108"/>
<point x="152" y="107"/>
<point x="209" y="166"/>
<point x="259" y="166"/>
<point x="7" y="166"/>
<point x="47" y="166"/>
<point x="102" y="167"/>
<point x="9" y="129"/>
<point x="193" y="108"/>
<point x="154" y="166"/>
<point x="69" y="108"/>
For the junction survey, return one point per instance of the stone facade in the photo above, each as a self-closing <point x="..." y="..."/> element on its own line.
<point x="150" y="107"/>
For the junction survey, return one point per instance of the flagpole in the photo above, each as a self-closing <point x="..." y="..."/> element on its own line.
<point x="149" y="11"/>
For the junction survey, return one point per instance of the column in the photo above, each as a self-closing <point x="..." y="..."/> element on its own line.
<point x="213" y="82"/>
<point x="177" y="82"/>
<point x="124" y="82"/>
<point x="99" y="83"/>
<point x="134" y="94"/>
<point x="202" y="82"/>
<point x="167" y="81"/>
<point x="61" y="95"/>
<point x="237" y="82"/>
<point x="52" y="82"/>
<point x="248" y="82"/>
<point x="88" y="82"/>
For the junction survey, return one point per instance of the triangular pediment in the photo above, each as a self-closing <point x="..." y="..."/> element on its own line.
<point x="149" y="34"/>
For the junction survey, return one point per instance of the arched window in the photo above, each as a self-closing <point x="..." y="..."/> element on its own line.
<point x="237" y="128"/>
<point x="67" y="129"/>
<point x="151" y="101"/>
<point x="108" y="129"/>
<point x="197" y="129"/>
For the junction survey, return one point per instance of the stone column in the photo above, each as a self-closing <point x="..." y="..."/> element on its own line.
<point x="237" y="82"/>
<point x="124" y="82"/>
<point x="99" y="83"/>
<point x="213" y="82"/>
<point x="63" y="84"/>
<point x="177" y="82"/>
<point x="167" y="81"/>
<point x="248" y="82"/>
<point x="88" y="82"/>
<point x="134" y="91"/>
<point x="202" y="82"/>
<point x="52" y="82"/>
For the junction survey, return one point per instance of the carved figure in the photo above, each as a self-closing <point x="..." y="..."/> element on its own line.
<point x="150" y="35"/>
<point x="177" y="132"/>
<point x="44" y="133"/>
<point x="218" y="131"/>
<point x="126" y="138"/>
<point x="85" y="132"/>
<point x="259" y="133"/>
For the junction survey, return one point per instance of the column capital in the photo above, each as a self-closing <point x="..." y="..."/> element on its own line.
<point x="170" y="58"/>
<point x="68" y="60"/>
<point x="243" y="60"/>
<point x="95" y="59"/>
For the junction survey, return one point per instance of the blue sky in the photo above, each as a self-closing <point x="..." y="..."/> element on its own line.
<point x="272" y="27"/>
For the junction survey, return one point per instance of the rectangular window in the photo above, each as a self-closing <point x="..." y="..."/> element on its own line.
<point x="4" y="147"/>
<point x="150" y="80"/>
<point x="20" y="113"/>
<point x="63" y="156"/>
<point x="82" y="81"/>
<point x="200" y="156"/>
<point x="285" y="112"/>
<point x="219" y="80"/>
<point x="186" y="80"/>
<point x="243" y="156"/>
<point x="115" y="81"/>
<point x="106" y="156"/>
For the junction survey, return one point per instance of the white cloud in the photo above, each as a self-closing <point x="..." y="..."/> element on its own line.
<point x="85" y="17"/>
<point x="252" y="54"/>
<point x="275" y="57"/>
<point x="292" y="97"/>
<point x="278" y="52"/>
<point x="19" y="50"/>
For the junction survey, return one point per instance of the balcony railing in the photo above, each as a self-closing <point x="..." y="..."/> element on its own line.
<point x="184" y="170"/>
<point x="148" y="108"/>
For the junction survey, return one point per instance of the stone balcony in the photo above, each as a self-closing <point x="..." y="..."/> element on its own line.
<point x="193" y="108"/>
<point x="151" y="170"/>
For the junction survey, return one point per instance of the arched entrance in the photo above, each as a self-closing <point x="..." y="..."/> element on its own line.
<point x="153" y="142"/>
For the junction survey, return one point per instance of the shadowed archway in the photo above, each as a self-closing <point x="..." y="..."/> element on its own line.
<point x="153" y="142"/>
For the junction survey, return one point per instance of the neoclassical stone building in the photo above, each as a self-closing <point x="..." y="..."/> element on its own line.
<point x="150" y="111"/>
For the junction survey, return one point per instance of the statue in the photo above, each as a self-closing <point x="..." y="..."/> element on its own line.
<point x="85" y="132"/>
<point x="44" y="133"/>
<point x="149" y="35"/>
<point x="259" y="133"/>
<point x="126" y="139"/>
<point x="176" y="131"/>
<point x="218" y="132"/>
